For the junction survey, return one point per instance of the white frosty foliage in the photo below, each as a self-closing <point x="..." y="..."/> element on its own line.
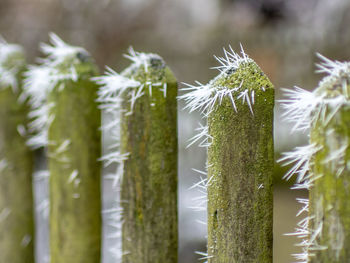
<point x="141" y="59"/>
<point x="298" y="107"/>
<point x="41" y="121"/>
<point x="232" y="60"/>
<point x="205" y="97"/>
<point x="300" y="158"/>
<point x="41" y="79"/>
<point x="114" y="88"/>
<point x="304" y="109"/>
<point x="332" y="67"/>
<point x="11" y="62"/>
<point x="59" y="53"/>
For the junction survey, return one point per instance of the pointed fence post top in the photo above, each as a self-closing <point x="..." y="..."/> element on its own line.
<point x="147" y="72"/>
<point x="148" y="69"/>
<point x="240" y="80"/>
<point x="66" y="61"/>
<point x="246" y="76"/>
<point x="62" y="62"/>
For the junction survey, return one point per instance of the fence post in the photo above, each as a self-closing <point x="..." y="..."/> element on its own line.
<point x="16" y="162"/>
<point x="323" y="166"/>
<point x="149" y="186"/>
<point x="238" y="104"/>
<point x="329" y="195"/>
<point x="74" y="147"/>
<point x="147" y="93"/>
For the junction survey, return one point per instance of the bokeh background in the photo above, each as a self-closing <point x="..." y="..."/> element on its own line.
<point x="281" y="35"/>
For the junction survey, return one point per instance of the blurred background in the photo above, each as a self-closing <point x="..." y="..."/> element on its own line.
<point x="282" y="36"/>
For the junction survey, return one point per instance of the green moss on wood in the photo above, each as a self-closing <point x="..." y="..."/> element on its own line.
<point x="240" y="168"/>
<point x="149" y="186"/>
<point x="16" y="167"/>
<point x="75" y="172"/>
<point x="330" y="193"/>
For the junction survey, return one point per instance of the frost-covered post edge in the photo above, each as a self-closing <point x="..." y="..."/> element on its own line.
<point x="67" y="120"/>
<point x="238" y="107"/>
<point x="145" y="94"/>
<point x="16" y="161"/>
<point x="323" y="166"/>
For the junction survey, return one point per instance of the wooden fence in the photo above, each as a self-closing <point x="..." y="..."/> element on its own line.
<point x="58" y="107"/>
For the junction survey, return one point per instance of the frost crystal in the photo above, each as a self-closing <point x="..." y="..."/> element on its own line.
<point x="298" y="107"/>
<point x="113" y="86"/>
<point x="206" y="97"/>
<point x="11" y="62"/>
<point x="58" y="65"/>
<point x="333" y="68"/>
<point x="60" y="53"/>
<point x="232" y="60"/>
<point x="143" y="59"/>
<point x="305" y="109"/>
<point x="202" y="137"/>
<point x="200" y="202"/>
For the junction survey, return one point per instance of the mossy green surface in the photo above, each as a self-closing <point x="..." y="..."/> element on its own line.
<point x="240" y="170"/>
<point x="75" y="172"/>
<point x="149" y="184"/>
<point x="329" y="206"/>
<point x="16" y="196"/>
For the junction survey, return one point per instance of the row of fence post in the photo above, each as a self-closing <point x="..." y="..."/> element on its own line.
<point x="66" y="97"/>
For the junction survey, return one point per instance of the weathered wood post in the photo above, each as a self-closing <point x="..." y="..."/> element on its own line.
<point x="16" y="162"/>
<point x="147" y="93"/>
<point x="238" y="104"/>
<point x="323" y="166"/>
<point x="74" y="147"/>
<point x="149" y="186"/>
